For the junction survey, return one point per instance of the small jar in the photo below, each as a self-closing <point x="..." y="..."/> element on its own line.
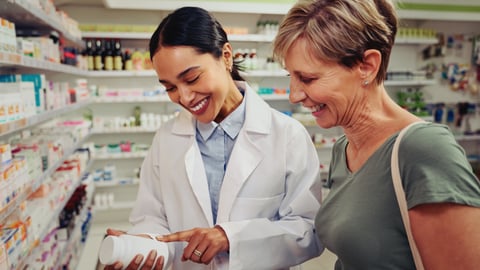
<point x="125" y="247"/>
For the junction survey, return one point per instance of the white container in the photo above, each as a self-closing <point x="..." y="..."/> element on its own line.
<point x="125" y="247"/>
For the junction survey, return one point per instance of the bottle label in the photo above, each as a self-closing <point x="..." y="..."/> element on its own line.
<point x="98" y="63"/>
<point x="108" y="63"/>
<point x="128" y="65"/>
<point x="90" y="63"/>
<point x="117" y="63"/>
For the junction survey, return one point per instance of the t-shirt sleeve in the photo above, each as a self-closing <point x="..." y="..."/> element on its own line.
<point x="435" y="169"/>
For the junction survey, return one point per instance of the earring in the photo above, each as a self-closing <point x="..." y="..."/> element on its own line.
<point x="365" y="83"/>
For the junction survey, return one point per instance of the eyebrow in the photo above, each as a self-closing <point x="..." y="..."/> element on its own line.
<point x="302" y="73"/>
<point x="182" y="74"/>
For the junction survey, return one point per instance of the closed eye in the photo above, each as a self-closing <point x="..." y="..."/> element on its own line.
<point x="305" y="80"/>
<point x="194" y="80"/>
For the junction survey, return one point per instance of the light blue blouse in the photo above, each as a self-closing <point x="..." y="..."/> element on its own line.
<point x="216" y="142"/>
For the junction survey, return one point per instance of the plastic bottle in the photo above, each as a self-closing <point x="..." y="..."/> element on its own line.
<point x="125" y="247"/>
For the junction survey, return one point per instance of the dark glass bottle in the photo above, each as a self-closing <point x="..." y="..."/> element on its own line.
<point x="97" y="55"/>
<point x="89" y="54"/>
<point x="108" y="55"/>
<point x="117" y="56"/>
<point x="128" y="64"/>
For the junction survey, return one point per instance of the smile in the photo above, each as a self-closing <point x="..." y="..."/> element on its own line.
<point x="317" y="108"/>
<point x="200" y="105"/>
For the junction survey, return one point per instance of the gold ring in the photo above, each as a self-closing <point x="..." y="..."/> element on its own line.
<point x="197" y="252"/>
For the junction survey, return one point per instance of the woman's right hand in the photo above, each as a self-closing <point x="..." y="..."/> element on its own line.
<point x="151" y="262"/>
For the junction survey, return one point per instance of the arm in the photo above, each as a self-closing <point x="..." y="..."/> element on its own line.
<point x="447" y="235"/>
<point x="444" y="200"/>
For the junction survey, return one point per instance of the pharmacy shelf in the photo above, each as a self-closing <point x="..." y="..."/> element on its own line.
<point x="14" y="204"/>
<point x="76" y="236"/>
<point x="236" y="37"/>
<point x="131" y="99"/>
<point x="420" y="82"/>
<point x="119" y="182"/>
<point x="146" y="36"/>
<point x="265" y="73"/>
<point x="18" y="125"/>
<point x="116" y="206"/>
<point x="272" y="97"/>
<point x="415" y="41"/>
<point x="10" y="60"/>
<point x="124" y="155"/>
<point x="55" y="213"/>
<point x="123" y="130"/>
<point x="26" y="15"/>
<point x="121" y="73"/>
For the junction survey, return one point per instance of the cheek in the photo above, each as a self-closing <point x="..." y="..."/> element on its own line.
<point x="174" y="97"/>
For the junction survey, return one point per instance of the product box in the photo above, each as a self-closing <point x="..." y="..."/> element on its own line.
<point x="39" y="83"/>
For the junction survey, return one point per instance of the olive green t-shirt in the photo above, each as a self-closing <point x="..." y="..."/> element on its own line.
<point x="360" y="219"/>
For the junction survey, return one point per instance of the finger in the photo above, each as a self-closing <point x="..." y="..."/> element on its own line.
<point x="175" y="237"/>
<point x="150" y="260"/>
<point x="159" y="263"/>
<point x="192" y="250"/>
<point x="115" y="232"/>
<point x="200" y="252"/>
<point x="115" y="266"/>
<point x="135" y="263"/>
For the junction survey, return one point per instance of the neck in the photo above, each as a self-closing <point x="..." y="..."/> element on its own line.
<point x="232" y="101"/>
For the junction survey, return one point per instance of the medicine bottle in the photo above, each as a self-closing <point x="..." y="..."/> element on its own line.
<point x="125" y="247"/>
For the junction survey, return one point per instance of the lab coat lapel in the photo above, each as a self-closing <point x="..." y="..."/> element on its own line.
<point x="247" y="152"/>
<point x="244" y="160"/>
<point x="185" y="125"/>
<point x="198" y="180"/>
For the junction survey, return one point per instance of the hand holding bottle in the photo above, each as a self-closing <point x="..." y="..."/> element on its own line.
<point x="120" y="250"/>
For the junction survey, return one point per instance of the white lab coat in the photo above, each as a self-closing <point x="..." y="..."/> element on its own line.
<point x="269" y="196"/>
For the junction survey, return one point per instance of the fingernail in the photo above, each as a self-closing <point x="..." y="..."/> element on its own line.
<point x="117" y="266"/>
<point x="153" y="255"/>
<point x="138" y="259"/>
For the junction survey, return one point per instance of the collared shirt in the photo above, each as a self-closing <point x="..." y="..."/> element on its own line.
<point x="216" y="142"/>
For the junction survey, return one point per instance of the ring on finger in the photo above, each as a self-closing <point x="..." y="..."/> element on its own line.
<point x="197" y="252"/>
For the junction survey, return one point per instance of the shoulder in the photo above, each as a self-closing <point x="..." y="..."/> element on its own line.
<point x="429" y="137"/>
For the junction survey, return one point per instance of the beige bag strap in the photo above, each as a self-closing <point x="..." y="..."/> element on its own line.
<point x="401" y="197"/>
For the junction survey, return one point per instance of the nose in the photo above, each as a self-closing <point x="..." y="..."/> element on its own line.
<point x="186" y="95"/>
<point x="296" y="94"/>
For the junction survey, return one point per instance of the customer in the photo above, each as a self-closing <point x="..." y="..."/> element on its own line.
<point x="337" y="54"/>
<point x="234" y="180"/>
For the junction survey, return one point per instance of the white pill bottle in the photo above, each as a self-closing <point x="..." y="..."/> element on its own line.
<point x="125" y="247"/>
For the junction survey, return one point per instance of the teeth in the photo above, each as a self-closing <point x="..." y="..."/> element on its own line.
<point x="199" y="106"/>
<point x="317" y="107"/>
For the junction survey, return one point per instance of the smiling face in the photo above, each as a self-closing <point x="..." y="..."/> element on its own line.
<point x="198" y="82"/>
<point x="331" y="91"/>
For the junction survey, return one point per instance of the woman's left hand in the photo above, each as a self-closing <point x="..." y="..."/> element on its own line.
<point x="203" y="243"/>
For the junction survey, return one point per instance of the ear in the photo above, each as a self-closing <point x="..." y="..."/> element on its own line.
<point x="227" y="54"/>
<point x="370" y="65"/>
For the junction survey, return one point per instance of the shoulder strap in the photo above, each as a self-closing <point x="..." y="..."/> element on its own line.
<point x="401" y="197"/>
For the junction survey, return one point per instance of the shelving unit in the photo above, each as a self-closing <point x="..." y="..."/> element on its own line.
<point x="27" y="16"/>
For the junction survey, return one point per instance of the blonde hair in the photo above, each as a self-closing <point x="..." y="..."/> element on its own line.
<point x="340" y="30"/>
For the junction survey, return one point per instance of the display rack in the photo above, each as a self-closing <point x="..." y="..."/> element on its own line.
<point x="28" y="16"/>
